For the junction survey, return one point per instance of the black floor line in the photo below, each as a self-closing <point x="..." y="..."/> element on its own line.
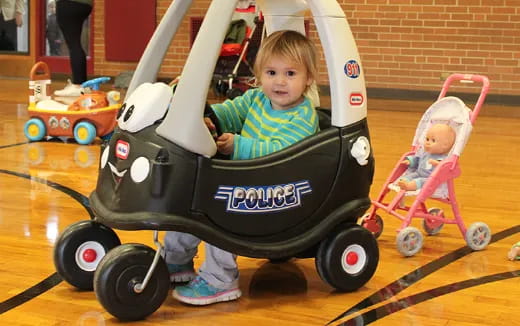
<point x="54" y="279"/>
<point x="83" y="200"/>
<point x="30" y="293"/>
<point x="404" y="303"/>
<point x="13" y="145"/>
<point x="406" y="281"/>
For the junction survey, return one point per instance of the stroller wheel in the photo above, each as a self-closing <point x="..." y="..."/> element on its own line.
<point x="431" y="226"/>
<point x="409" y="241"/>
<point x="117" y="276"/>
<point x="79" y="250"/>
<point x="233" y="92"/>
<point x="374" y="225"/>
<point x="347" y="259"/>
<point x="478" y="236"/>
<point x="220" y="88"/>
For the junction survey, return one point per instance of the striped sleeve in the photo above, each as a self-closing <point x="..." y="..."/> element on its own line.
<point x="231" y="114"/>
<point x="288" y="133"/>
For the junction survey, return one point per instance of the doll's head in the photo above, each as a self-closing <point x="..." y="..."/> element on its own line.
<point x="439" y="139"/>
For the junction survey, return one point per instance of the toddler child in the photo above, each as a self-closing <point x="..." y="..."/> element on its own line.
<point x="261" y="121"/>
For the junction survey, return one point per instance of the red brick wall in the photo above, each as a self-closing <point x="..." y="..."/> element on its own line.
<point x="405" y="44"/>
<point x="177" y="53"/>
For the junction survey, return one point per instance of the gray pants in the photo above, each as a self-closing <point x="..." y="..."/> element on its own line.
<point x="219" y="268"/>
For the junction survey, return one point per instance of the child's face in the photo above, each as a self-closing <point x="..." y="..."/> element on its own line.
<point x="439" y="139"/>
<point x="284" y="82"/>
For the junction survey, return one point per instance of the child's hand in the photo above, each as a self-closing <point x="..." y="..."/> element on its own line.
<point x="225" y="143"/>
<point x="406" y="161"/>
<point x="211" y="127"/>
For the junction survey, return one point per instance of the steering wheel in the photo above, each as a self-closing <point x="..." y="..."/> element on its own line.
<point x="94" y="83"/>
<point x="209" y="113"/>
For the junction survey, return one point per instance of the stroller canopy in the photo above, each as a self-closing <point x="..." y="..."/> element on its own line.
<point x="447" y="110"/>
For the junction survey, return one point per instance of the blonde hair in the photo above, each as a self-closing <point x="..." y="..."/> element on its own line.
<point x="294" y="47"/>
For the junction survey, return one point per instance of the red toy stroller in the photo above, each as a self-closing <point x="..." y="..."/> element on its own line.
<point x="234" y="72"/>
<point x="439" y="185"/>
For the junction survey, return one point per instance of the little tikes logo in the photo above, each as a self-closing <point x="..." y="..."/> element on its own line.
<point x="356" y="99"/>
<point x="122" y="149"/>
<point x="259" y="199"/>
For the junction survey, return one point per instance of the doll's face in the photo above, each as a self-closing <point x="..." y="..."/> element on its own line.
<point x="439" y="139"/>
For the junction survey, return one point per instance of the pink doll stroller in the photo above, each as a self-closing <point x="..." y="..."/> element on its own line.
<point x="439" y="185"/>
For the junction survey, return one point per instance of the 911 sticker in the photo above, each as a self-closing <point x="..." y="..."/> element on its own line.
<point x="352" y="69"/>
<point x="122" y="149"/>
<point x="260" y="199"/>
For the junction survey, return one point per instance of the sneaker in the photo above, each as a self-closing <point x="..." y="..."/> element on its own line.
<point x="199" y="292"/>
<point x="69" y="90"/>
<point x="181" y="272"/>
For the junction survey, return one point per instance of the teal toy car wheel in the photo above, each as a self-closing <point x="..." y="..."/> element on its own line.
<point x="34" y="129"/>
<point x="84" y="133"/>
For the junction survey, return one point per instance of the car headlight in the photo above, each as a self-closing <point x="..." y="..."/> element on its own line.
<point x="140" y="169"/>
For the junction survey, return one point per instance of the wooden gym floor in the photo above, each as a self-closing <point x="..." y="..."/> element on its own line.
<point x="44" y="188"/>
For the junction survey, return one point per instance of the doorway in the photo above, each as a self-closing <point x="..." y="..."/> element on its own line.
<point x="50" y="45"/>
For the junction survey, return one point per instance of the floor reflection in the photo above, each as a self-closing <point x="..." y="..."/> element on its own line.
<point x="84" y="156"/>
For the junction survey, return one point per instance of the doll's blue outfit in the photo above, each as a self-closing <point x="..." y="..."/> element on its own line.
<point x="263" y="131"/>
<point x="420" y="167"/>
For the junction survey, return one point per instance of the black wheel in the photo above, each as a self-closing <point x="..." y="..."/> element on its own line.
<point x="80" y="248"/>
<point x="120" y="271"/>
<point x="348" y="258"/>
<point x="233" y="92"/>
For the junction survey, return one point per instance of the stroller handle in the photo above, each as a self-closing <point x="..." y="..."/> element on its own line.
<point x="468" y="78"/>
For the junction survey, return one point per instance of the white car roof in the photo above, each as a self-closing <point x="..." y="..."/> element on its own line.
<point x="183" y="124"/>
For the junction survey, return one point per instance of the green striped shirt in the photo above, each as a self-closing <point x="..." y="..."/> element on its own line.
<point x="262" y="129"/>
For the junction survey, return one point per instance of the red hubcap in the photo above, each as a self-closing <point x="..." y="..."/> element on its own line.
<point x="89" y="255"/>
<point x="352" y="258"/>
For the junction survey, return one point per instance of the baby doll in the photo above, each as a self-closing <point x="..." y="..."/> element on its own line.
<point x="437" y="144"/>
<point x="514" y="252"/>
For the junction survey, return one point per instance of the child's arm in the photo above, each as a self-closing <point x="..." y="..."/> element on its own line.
<point x="288" y="134"/>
<point x="231" y="114"/>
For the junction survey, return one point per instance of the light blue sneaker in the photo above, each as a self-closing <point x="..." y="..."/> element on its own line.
<point x="199" y="292"/>
<point x="180" y="273"/>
